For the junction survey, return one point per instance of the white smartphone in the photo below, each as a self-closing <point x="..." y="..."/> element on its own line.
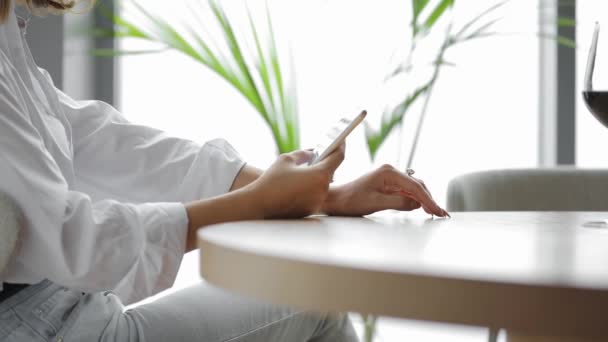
<point x="335" y="137"/>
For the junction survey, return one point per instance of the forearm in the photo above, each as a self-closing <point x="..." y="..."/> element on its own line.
<point x="234" y="206"/>
<point x="246" y="176"/>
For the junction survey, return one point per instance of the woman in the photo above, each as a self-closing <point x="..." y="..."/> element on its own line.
<point x="110" y="208"/>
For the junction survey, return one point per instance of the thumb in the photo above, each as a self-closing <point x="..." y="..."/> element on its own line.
<point x="300" y="156"/>
<point x="333" y="160"/>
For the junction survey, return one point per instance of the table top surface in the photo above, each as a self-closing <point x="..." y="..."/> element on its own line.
<point x="477" y="268"/>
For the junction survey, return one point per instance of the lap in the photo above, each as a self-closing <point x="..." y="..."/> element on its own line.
<point x="200" y="313"/>
<point x="204" y="313"/>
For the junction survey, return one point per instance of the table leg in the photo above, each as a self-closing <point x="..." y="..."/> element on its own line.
<point x="517" y="337"/>
<point x="493" y="334"/>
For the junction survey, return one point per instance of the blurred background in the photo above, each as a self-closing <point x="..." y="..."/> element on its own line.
<point x="508" y="97"/>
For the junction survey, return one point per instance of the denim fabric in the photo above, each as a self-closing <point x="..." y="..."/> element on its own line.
<point x="41" y="312"/>
<point x="49" y="312"/>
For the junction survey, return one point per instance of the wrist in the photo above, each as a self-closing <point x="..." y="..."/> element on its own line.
<point x="333" y="204"/>
<point x="238" y="205"/>
<point x="247" y="175"/>
<point x="252" y="203"/>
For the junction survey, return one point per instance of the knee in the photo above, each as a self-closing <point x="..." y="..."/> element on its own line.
<point x="330" y="326"/>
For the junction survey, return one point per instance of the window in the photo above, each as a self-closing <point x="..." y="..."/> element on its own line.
<point x="483" y="113"/>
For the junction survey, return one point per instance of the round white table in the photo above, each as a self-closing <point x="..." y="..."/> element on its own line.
<point x="541" y="275"/>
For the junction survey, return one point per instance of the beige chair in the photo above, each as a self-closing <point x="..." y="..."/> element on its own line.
<point x="9" y="229"/>
<point x="554" y="189"/>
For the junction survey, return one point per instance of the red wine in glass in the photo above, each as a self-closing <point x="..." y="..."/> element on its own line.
<point x="596" y="101"/>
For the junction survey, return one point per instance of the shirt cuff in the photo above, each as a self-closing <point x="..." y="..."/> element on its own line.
<point x="176" y="229"/>
<point x="165" y="229"/>
<point x="220" y="163"/>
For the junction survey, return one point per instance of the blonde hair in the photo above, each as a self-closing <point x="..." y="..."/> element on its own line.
<point x="52" y="6"/>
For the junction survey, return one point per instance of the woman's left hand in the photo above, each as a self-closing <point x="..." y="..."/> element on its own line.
<point x="381" y="189"/>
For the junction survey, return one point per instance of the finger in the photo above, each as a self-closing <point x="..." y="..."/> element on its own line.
<point x="412" y="197"/>
<point x="418" y="193"/>
<point x="397" y="202"/>
<point x="423" y="185"/>
<point x="425" y="208"/>
<point x="299" y="157"/>
<point x="405" y="195"/>
<point x="396" y="189"/>
<point x="333" y="160"/>
<point x="444" y="213"/>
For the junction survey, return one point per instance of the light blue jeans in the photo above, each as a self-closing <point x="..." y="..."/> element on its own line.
<point x="201" y="313"/>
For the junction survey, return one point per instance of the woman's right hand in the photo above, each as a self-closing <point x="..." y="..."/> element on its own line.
<point x="286" y="190"/>
<point x="289" y="189"/>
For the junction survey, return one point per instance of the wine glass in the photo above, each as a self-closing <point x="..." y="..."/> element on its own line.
<point x="596" y="101"/>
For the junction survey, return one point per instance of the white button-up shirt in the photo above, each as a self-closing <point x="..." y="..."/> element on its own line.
<point x="101" y="197"/>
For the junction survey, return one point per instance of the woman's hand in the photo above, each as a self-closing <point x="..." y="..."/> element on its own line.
<point x="286" y="190"/>
<point x="383" y="188"/>
<point x="291" y="190"/>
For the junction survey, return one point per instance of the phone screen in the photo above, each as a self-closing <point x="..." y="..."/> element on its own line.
<point x="335" y="136"/>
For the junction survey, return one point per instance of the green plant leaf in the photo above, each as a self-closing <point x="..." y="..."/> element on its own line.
<point x="437" y="13"/>
<point x="566" y="22"/>
<point x="480" y="16"/>
<point x="417" y="7"/>
<point x="290" y="120"/>
<point x="281" y="115"/>
<point x="567" y="42"/>
<point x="561" y="40"/>
<point x="249" y="88"/>
<point x="212" y="57"/>
<point x="400" y="69"/>
<point x="444" y="62"/>
<point x="391" y="119"/>
<point x="263" y="68"/>
<point x="100" y="32"/>
<point x="478" y="27"/>
<point x="474" y="36"/>
<point x="167" y="34"/>
<point x="116" y="53"/>
<point x="480" y="31"/>
<point x="122" y="27"/>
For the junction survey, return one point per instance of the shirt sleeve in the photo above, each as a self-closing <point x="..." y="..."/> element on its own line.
<point x="114" y="158"/>
<point x="68" y="238"/>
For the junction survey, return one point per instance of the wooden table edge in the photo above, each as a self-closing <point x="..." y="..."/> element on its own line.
<point x="286" y="281"/>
